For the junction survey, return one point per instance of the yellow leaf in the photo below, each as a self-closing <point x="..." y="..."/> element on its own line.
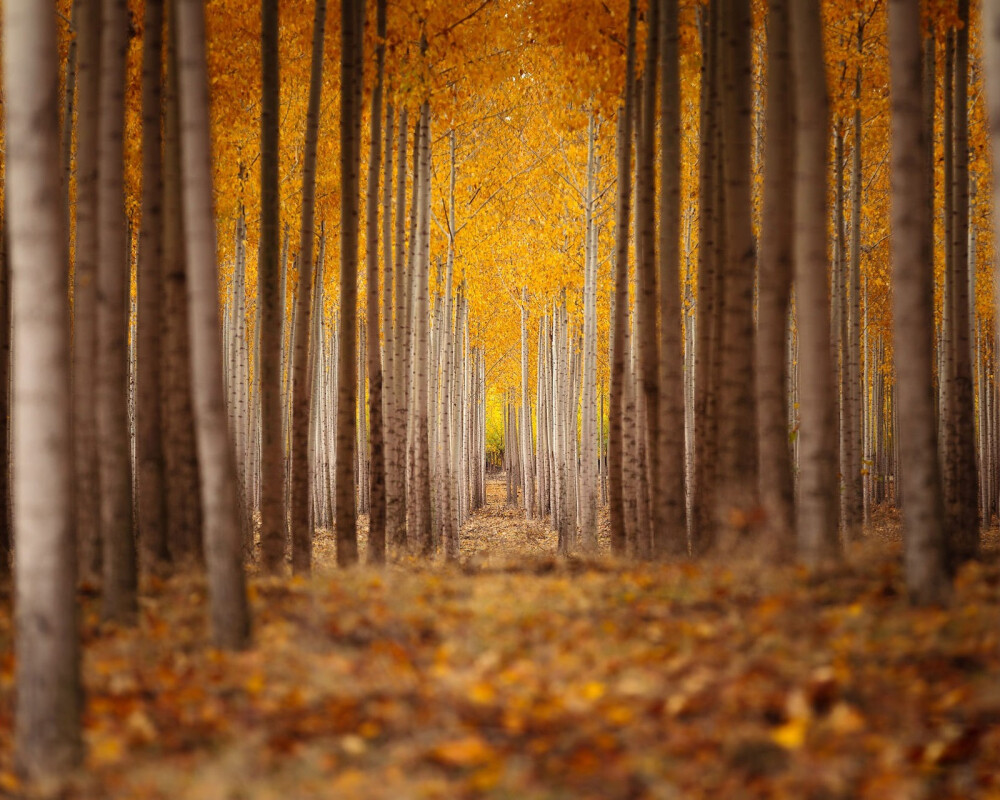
<point x="791" y="735"/>
<point x="594" y="690"/>
<point x="107" y="750"/>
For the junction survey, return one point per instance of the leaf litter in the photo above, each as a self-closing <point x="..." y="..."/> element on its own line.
<point x="518" y="674"/>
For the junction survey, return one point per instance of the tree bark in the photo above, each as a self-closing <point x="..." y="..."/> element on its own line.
<point x="776" y="486"/>
<point x="738" y="445"/>
<point x="817" y="501"/>
<point x="119" y="601"/>
<point x="376" y="475"/>
<point x="668" y="485"/>
<point x="351" y="65"/>
<point x="302" y="523"/>
<point x="620" y="307"/>
<point x="47" y="734"/>
<point x="220" y="495"/>
<point x="913" y="275"/>
<point x="152" y="510"/>
<point x="272" y="532"/>
<point x="962" y="507"/>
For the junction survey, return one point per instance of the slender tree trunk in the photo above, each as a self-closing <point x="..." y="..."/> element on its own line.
<point x="220" y="494"/>
<point x="853" y="494"/>
<point x="646" y="340"/>
<point x="776" y="486"/>
<point x="47" y="734"/>
<point x="589" y="445"/>
<point x="817" y="507"/>
<point x="702" y="492"/>
<point x="396" y="472"/>
<point x="184" y="517"/>
<point x="527" y="476"/>
<point x="376" y="476"/>
<point x="620" y="302"/>
<point x="272" y="532"/>
<point x="963" y="522"/>
<point x="668" y="484"/>
<point x="351" y="65"/>
<point x="912" y="261"/>
<point x="423" y="534"/>
<point x="85" y="296"/>
<point x="119" y="601"/>
<point x="152" y="511"/>
<point x="302" y="524"/>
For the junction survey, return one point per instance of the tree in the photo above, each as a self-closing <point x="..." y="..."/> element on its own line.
<point x="85" y="294"/>
<point x="302" y="526"/>
<point x="49" y="697"/>
<point x="377" y="495"/>
<point x="272" y="532"/>
<point x="351" y="67"/>
<point x="620" y="314"/>
<point x="120" y="582"/>
<point x="817" y="501"/>
<point x="184" y="517"/>
<point x="776" y="487"/>
<point x="152" y="510"/>
<point x="961" y="493"/>
<point x="220" y="496"/>
<point x="737" y="476"/>
<point x="913" y="275"/>
<point x="670" y="535"/>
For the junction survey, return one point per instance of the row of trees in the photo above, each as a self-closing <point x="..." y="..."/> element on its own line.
<point x="803" y="416"/>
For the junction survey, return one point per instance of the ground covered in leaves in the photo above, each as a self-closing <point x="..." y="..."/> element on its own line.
<point x="517" y="675"/>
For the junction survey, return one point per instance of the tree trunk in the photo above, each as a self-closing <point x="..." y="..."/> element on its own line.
<point x="646" y="340"/>
<point x="776" y="487"/>
<point x="47" y="734"/>
<point x="376" y="475"/>
<point x="220" y="494"/>
<point x="705" y="441"/>
<point x="119" y="602"/>
<point x="396" y="463"/>
<point x="817" y="507"/>
<point x="302" y="523"/>
<point x="616" y="455"/>
<point x="85" y="296"/>
<point x="963" y="521"/>
<point x="668" y="485"/>
<point x="272" y="532"/>
<point x="351" y="65"/>
<point x="152" y="511"/>
<point x="913" y="271"/>
<point x="423" y="533"/>
<point x="738" y="445"/>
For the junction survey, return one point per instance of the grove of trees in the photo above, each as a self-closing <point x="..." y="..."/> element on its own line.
<point x="707" y="278"/>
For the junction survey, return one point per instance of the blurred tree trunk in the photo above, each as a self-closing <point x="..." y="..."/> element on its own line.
<point x="351" y="65"/>
<point x="376" y="474"/>
<point x="668" y="488"/>
<point x="220" y="494"/>
<point x="776" y="487"/>
<point x="817" y="506"/>
<point x="88" y="530"/>
<point x="302" y="522"/>
<point x="119" y="601"/>
<point x="47" y="732"/>
<point x="620" y="304"/>
<point x="913" y="295"/>
<point x="272" y="511"/>
<point x="152" y="510"/>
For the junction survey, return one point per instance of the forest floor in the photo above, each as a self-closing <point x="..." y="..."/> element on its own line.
<point x="519" y="675"/>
